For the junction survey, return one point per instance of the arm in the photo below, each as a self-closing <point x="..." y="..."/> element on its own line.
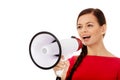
<point x="118" y="70"/>
<point x="118" y="76"/>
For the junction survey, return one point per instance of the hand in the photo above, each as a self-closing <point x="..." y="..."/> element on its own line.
<point x="62" y="66"/>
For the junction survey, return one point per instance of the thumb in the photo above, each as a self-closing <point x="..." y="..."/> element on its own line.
<point x="62" y="57"/>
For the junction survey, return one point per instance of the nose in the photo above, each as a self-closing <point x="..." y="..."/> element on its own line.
<point x="84" y="29"/>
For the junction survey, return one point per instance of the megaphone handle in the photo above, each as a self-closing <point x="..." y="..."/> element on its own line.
<point x="59" y="73"/>
<point x="58" y="78"/>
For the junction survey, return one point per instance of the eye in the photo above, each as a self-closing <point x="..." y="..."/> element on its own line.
<point x="89" y="25"/>
<point x="79" y="27"/>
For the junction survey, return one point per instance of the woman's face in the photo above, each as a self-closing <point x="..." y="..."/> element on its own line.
<point x="89" y="29"/>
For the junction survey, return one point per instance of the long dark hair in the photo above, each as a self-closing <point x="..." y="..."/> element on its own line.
<point x="101" y="20"/>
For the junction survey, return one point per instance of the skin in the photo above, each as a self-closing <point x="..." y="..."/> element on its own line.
<point x="88" y="26"/>
<point x="62" y="65"/>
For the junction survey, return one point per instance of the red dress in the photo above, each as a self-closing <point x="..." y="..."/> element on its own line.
<point x="96" y="68"/>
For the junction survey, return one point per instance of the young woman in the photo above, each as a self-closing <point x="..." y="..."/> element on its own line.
<point x="95" y="62"/>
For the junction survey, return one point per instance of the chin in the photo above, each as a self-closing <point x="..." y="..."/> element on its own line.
<point x="87" y="44"/>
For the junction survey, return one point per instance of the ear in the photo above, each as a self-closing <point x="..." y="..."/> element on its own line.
<point x="103" y="29"/>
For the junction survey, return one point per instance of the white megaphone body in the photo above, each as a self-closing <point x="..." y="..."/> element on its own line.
<point x="46" y="50"/>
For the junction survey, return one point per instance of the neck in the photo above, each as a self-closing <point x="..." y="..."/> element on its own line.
<point x="98" y="50"/>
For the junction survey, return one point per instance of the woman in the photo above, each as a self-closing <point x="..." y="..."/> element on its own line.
<point x="95" y="62"/>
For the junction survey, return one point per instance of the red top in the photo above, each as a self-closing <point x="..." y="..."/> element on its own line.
<point x="96" y="68"/>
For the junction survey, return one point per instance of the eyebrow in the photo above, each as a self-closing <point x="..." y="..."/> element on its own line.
<point x="86" y="23"/>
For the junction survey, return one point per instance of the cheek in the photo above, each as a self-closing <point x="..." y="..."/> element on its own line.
<point x="79" y="33"/>
<point x="96" y="34"/>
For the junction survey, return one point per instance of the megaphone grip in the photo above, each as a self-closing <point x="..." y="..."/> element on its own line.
<point x="58" y="78"/>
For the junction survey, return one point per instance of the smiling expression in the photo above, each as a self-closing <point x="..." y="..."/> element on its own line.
<point x="89" y="29"/>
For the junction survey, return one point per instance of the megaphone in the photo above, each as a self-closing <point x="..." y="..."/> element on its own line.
<point x="46" y="50"/>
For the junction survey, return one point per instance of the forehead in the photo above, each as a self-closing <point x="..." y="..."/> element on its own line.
<point x="87" y="18"/>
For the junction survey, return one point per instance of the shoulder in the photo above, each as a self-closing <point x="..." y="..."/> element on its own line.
<point x="113" y="60"/>
<point x="72" y="59"/>
<point x="116" y="60"/>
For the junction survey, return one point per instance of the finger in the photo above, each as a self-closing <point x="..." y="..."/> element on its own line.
<point x="61" y="65"/>
<point x="62" y="57"/>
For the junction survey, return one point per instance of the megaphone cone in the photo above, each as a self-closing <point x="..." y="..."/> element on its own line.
<point x="40" y="54"/>
<point x="46" y="50"/>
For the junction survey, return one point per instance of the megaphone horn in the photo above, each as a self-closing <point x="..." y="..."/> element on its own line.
<point x="46" y="50"/>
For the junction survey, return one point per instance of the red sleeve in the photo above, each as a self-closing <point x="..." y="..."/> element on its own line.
<point x="71" y="61"/>
<point x="118" y="73"/>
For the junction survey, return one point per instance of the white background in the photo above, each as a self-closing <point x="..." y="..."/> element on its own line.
<point x="21" y="19"/>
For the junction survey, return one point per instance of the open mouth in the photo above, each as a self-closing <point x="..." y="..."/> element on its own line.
<point x="86" y="37"/>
